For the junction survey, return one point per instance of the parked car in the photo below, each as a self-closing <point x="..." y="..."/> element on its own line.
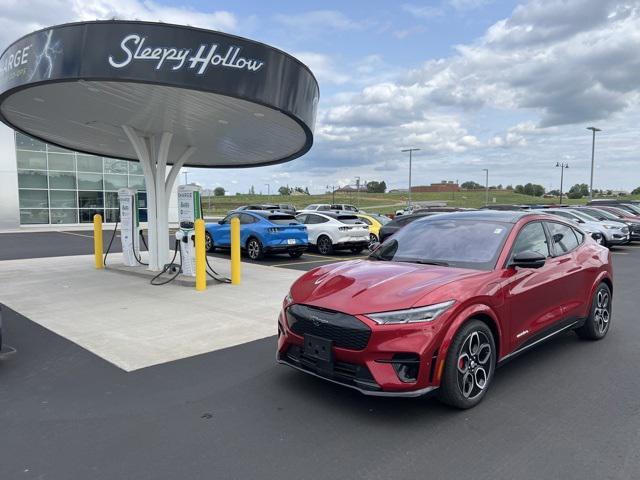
<point x="333" y="207"/>
<point x="375" y="223"/>
<point x="603" y="215"/>
<point x="604" y="233"/>
<point x="632" y="206"/>
<point x="331" y="231"/>
<point x="266" y="207"/>
<point x="400" y="221"/>
<point x="444" y="301"/>
<point x="261" y="232"/>
<point x="286" y="208"/>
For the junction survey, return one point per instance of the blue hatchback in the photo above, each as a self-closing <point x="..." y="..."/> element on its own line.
<point x="260" y="232"/>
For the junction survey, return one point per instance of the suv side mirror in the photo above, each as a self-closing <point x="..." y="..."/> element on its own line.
<point x="221" y="222"/>
<point x="528" y="259"/>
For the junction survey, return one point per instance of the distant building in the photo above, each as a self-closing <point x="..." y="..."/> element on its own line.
<point x="441" y="187"/>
<point x="351" y="188"/>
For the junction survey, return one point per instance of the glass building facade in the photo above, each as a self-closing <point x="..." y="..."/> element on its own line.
<point x="58" y="186"/>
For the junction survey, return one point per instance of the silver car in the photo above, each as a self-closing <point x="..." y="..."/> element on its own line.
<point x="613" y="233"/>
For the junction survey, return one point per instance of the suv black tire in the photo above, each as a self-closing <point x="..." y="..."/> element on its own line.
<point x="254" y="249"/>
<point x="599" y="321"/>
<point x="454" y="382"/>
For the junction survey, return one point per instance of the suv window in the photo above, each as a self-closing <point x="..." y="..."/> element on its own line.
<point x="228" y="218"/>
<point x="311" y="219"/>
<point x="563" y="237"/>
<point x="531" y="238"/>
<point x="246" y="219"/>
<point x="365" y="220"/>
<point x="323" y="208"/>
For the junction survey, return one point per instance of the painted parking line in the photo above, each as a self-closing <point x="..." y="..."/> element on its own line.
<point x="619" y="253"/>
<point x="76" y="234"/>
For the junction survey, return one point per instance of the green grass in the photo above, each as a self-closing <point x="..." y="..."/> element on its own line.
<point x="379" y="202"/>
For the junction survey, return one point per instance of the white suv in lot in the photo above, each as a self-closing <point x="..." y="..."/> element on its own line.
<point x="335" y="231"/>
<point x="334" y="207"/>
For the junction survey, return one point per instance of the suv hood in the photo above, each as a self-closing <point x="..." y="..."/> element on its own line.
<point x="362" y="286"/>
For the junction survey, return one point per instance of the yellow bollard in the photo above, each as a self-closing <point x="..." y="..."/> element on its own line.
<point x="97" y="240"/>
<point x="201" y="271"/>
<point x="235" y="251"/>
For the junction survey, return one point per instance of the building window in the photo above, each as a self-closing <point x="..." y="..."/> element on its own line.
<point x="33" y="216"/>
<point x="31" y="160"/>
<point x="63" y="199"/>
<point x="34" y="199"/>
<point x="90" y="181"/>
<point x="89" y="163"/>
<point x="62" y="180"/>
<point x="32" y="179"/>
<point x="115" y="182"/>
<point x="64" y="216"/>
<point x="59" y="186"/>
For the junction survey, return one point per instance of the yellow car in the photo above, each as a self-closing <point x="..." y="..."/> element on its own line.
<point x="375" y="223"/>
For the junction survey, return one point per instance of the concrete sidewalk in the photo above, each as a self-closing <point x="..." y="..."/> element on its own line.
<point x="132" y="324"/>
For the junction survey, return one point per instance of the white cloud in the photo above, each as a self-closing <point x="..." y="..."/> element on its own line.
<point x="18" y="17"/>
<point x="323" y="67"/>
<point x="424" y="12"/>
<point x="468" y="4"/>
<point x="320" y="20"/>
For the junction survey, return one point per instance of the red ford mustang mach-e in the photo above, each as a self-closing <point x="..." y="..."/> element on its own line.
<point x="439" y="304"/>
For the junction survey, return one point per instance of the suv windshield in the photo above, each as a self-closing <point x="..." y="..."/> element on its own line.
<point x="599" y="214"/>
<point x="450" y="242"/>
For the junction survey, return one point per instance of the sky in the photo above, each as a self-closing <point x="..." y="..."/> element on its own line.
<point x="474" y="84"/>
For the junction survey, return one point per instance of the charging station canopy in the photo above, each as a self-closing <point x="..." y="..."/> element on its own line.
<point x="240" y="103"/>
<point x="160" y="94"/>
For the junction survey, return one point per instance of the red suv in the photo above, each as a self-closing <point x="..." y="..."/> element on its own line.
<point x="443" y="301"/>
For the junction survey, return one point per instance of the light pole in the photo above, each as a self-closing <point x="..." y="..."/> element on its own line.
<point x="562" y="167"/>
<point x="486" y="186"/>
<point x="593" y="151"/>
<point x="268" y="191"/>
<point x="333" y="193"/>
<point x="410" y="150"/>
<point x="358" y="192"/>
<point x="185" y="173"/>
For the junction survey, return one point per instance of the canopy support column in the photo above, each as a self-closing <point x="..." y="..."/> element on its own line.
<point x="159" y="185"/>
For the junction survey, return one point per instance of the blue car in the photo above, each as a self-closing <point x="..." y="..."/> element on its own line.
<point x="261" y="232"/>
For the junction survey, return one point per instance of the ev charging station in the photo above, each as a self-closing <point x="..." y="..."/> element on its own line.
<point x="129" y="226"/>
<point x="163" y="95"/>
<point x="189" y="210"/>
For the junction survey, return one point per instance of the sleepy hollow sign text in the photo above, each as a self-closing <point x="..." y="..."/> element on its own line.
<point x="134" y="50"/>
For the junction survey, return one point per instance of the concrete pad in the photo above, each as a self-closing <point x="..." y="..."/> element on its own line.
<point x="132" y="324"/>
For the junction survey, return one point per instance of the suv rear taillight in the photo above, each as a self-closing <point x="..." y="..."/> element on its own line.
<point x="344" y="229"/>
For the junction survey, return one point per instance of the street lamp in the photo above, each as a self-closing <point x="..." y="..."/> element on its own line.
<point x="562" y="167"/>
<point x="333" y="193"/>
<point x="185" y="173"/>
<point x="268" y="191"/>
<point x="593" y="150"/>
<point x="410" y="150"/>
<point x="486" y="188"/>
<point x="358" y="192"/>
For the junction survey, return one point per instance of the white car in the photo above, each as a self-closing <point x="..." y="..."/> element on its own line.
<point x="335" y="207"/>
<point x="335" y="231"/>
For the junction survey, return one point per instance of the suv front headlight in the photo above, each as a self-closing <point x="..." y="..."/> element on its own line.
<point x="412" y="315"/>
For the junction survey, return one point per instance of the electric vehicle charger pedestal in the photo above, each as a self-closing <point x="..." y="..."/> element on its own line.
<point x="129" y="227"/>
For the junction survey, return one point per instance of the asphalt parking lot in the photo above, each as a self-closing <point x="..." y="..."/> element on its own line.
<point x="569" y="409"/>
<point x="80" y="242"/>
